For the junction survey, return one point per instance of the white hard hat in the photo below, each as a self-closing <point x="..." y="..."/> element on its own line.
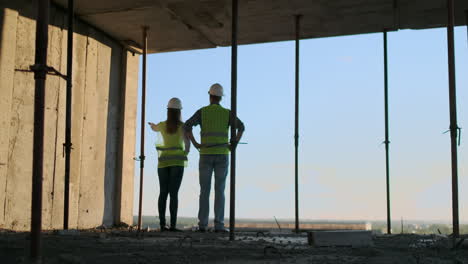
<point x="216" y="90"/>
<point x="174" y="103"/>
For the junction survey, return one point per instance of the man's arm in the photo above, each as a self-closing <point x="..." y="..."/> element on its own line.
<point x="189" y="124"/>
<point x="240" y="130"/>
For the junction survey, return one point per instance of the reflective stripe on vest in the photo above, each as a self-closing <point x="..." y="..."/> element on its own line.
<point x="169" y="148"/>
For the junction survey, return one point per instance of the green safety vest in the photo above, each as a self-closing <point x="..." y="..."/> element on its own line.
<point x="215" y="130"/>
<point x="170" y="147"/>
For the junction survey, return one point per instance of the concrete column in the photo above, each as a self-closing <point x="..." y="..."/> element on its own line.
<point x="91" y="198"/>
<point x="52" y="92"/>
<point x="8" y="20"/>
<point x="59" y="177"/>
<point x="18" y="187"/>
<point x="79" y="76"/>
<point x="124" y="182"/>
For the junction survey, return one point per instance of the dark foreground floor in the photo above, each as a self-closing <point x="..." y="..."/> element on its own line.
<point x="117" y="246"/>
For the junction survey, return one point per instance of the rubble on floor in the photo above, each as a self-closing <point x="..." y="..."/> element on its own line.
<point x="125" y="245"/>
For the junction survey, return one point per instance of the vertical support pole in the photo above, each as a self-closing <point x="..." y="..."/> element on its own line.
<point x="40" y="72"/>
<point x="142" y="135"/>
<point x="453" y="115"/>
<point x="232" y="216"/>
<point x="466" y="19"/>
<point x="387" y="139"/>
<point x="296" y="125"/>
<point x="68" y="144"/>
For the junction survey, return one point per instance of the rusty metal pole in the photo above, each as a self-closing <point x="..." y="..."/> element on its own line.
<point x="232" y="216"/>
<point x="142" y="135"/>
<point x="296" y="125"/>
<point x="40" y="72"/>
<point x="453" y="115"/>
<point x="68" y="145"/>
<point x="387" y="134"/>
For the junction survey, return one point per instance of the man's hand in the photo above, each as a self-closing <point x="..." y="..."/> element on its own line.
<point x="232" y="145"/>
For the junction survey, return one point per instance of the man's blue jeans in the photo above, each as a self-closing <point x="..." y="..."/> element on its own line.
<point x="219" y="164"/>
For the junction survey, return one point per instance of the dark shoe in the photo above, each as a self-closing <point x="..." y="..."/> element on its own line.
<point x="201" y="230"/>
<point x="173" y="229"/>
<point x="222" y="230"/>
<point x="164" y="228"/>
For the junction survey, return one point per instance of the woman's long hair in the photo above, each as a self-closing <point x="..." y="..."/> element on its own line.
<point x="173" y="120"/>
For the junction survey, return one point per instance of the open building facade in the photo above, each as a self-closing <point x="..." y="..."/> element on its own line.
<point x="107" y="43"/>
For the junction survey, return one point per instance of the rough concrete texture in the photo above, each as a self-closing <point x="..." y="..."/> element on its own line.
<point x="97" y="127"/>
<point x="117" y="246"/>
<point x="7" y="64"/>
<point x="342" y="238"/>
<point x="124" y="192"/>
<point x="196" y="24"/>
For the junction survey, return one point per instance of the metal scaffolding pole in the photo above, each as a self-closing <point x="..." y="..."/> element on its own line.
<point x="142" y="135"/>
<point x="387" y="135"/>
<point x="68" y="145"/>
<point x="453" y="115"/>
<point x="232" y="216"/>
<point x="296" y="125"/>
<point x="466" y="19"/>
<point x="40" y="72"/>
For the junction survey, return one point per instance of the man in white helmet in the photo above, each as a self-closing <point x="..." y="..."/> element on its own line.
<point x="214" y="121"/>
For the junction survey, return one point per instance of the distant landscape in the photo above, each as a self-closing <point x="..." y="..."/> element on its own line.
<point x="378" y="227"/>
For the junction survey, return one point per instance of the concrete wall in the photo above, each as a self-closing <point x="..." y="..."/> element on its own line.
<point x="103" y="126"/>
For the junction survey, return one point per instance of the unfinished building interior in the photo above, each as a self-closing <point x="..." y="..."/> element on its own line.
<point x="69" y="75"/>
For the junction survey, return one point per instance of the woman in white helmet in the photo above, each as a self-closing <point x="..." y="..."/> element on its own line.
<point x="172" y="147"/>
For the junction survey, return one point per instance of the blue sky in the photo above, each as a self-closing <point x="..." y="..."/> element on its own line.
<point x="342" y="160"/>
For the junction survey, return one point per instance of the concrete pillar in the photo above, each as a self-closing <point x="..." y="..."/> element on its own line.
<point x="18" y="187"/>
<point x="52" y="92"/>
<point x="92" y="157"/>
<point x="124" y="183"/>
<point x="79" y="79"/>
<point x="8" y="18"/>
<point x="59" y="176"/>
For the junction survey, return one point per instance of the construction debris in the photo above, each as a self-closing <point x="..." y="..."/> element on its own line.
<point x="118" y="246"/>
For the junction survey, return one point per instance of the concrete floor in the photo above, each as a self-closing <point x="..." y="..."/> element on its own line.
<point x="124" y="246"/>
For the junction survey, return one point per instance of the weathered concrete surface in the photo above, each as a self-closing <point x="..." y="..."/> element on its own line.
<point x="7" y="66"/>
<point x="352" y="238"/>
<point x="197" y="24"/>
<point x="124" y="185"/>
<point x="79" y="79"/>
<point x="97" y="128"/>
<point x="18" y="188"/>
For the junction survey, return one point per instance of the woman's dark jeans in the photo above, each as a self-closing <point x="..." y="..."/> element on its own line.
<point x="170" y="179"/>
